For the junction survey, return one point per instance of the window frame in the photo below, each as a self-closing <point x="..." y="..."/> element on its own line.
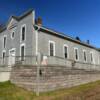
<point x="53" y="47"/>
<point x="84" y="51"/>
<point x="12" y="33"/>
<point x="4" y="42"/>
<point x="65" y="45"/>
<point x="24" y="25"/>
<point x="92" y="61"/>
<point x="3" y="57"/>
<point x="75" y="48"/>
<point x="21" y="52"/>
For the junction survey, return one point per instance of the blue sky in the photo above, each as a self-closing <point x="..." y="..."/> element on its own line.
<point x="72" y="17"/>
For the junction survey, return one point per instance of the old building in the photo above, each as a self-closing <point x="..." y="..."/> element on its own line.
<point x="65" y="61"/>
<point x="23" y="37"/>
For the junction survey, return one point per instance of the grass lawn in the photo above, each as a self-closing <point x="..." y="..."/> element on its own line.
<point x="90" y="91"/>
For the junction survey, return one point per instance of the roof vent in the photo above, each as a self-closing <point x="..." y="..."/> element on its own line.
<point x="88" y="41"/>
<point x="77" y="38"/>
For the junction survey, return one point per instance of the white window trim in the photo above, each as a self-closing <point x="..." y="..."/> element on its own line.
<point x="91" y="52"/>
<point x="23" y="44"/>
<point x="24" y="25"/>
<point x="65" y="45"/>
<point x="14" y="33"/>
<point x="3" y="41"/>
<point x="77" y="54"/>
<point x="86" y="55"/>
<point x="49" y="47"/>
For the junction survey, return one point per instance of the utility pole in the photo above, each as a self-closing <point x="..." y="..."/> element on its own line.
<point x="38" y="74"/>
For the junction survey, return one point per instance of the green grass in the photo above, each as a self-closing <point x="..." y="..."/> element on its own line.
<point x="9" y="91"/>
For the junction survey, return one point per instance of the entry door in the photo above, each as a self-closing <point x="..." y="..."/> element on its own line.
<point x="11" y="57"/>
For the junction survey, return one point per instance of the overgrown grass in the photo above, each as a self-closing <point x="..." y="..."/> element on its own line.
<point x="9" y="91"/>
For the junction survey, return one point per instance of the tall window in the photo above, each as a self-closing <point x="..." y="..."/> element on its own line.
<point x="4" y="41"/>
<point x="91" y="56"/>
<point x="23" y="33"/>
<point x="65" y="51"/>
<point x="76" y="53"/>
<point x="51" y="48"/>
<point x="84" y="54"/>
<point x="22" y="52"/>
<point x="3" y="56"/>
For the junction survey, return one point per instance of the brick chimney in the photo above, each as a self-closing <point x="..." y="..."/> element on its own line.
<point x="39" y="21"/>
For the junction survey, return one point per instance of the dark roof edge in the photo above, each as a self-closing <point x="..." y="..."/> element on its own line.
<point x="65" y="37"/>
<point x="23" y="15"/>
<point x="18" y="18"/>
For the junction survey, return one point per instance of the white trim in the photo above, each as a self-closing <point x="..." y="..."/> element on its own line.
<point x="85" y="55"/>
<point x="11" y="50"/>
<point x="75" y="48"/>
<point x="24" y="25"/>
<point x="65" y="45"/>
<point x="49" y="47"/>
<point x="23" y="44"/>
<point x="36" y="36"/>
<point x="12" y="32"/>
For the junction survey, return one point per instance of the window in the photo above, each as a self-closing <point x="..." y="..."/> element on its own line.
<point x="65" y="51"/>
<point x="23" y="33"/>
<point x="84" y="55"/>
<point x="51" y="48"/>
<point x="76" y="53"/>
<point x="4" y="41"/>
<point x="12" y="35"/>
<point x="22" y="52"/>
<point x="3" y="56"/>
<point x="91" y="56"/>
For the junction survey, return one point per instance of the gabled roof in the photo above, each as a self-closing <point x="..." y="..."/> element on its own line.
<point x="61" y="35"/>
<point x="17" y="18"/>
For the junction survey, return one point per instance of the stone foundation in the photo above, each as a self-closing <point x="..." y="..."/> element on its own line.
<point x="51" y="77"/>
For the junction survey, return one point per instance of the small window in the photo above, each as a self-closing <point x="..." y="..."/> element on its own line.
<point x="22" y="52"/>
<point x="23" y="33"/>
<point x="84" y="54"/>
<point x="13" y="35"/>
<point x="76" y="54"/>
<point x="51" y="48"/>
<point x="4" y="41"/>
<point x="65" y="51"/>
